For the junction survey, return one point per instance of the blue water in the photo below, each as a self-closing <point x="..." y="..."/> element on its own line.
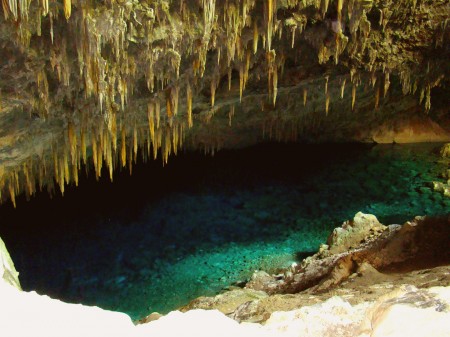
<point x="164" y="236"/>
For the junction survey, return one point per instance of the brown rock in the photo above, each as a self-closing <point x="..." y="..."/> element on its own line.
<point x="227" y="302"/>
<point x="351" y="233"/>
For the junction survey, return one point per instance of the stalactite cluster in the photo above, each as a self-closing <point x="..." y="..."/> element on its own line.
<point x="89" y="62"/>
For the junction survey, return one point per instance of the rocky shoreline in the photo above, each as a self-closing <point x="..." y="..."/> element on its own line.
<point x="362" y="261"/>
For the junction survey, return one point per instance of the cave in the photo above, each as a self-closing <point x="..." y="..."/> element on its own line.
<point x="165" y="155"/>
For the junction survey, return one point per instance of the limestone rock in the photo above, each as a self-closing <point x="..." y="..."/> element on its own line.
<point x="261" y="280"/>
<point x="410" y="312"/>
<point x="226" y="302"/>
<point x="445" y="151"/>
<point x="351" y="233"/>
<point x="29" y="314"/>
<point x="199" y="323"/>
<point x="335" y="317"/>
<point x="8" y="272"/>
<point x="420" y="243"/>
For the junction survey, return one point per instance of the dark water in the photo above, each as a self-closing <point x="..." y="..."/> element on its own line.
<point x="157" y="239"/>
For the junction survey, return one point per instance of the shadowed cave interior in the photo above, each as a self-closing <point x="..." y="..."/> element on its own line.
<point x="252" y="129"/>
<point x="157" y="239"/>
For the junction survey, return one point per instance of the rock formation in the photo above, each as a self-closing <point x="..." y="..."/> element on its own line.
<point x="8" y="272"/>
<point x="103" y="82"/>
<point x="363" y="261"/>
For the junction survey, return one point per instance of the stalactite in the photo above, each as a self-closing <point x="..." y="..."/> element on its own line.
<point x="67" y="8"/>
<point x="255" y="37"/>
<point x="75" y="169"/>
<point x="275" y="85"/>
<point x="157" y="113"/>
<point x="13" y="9"/>
<point x="5" y="7"/>
<point x="175" y="139"/>
<point x="108" y="36"/>
<point x="353" y="96"/>
<point x="45" y="7"/>
<point x="151" y="121"/>
<point x="428" y="98"/>
<point x="241" y="81"/>
<point x="65" y="161"/>
<point x="83" y="144"/>
<point x="247" y="68"/>
<point x="169" y="105"/>
<point x="95" y="154"/>
<point x="387" y="83"/>
<point x="135" y="143"/>
<point x="123" y="147"/>
<point x="230" y="114"/>
<point x="270" y="9"/>
<point x="72" y="141"/>
<point x="12" y="193"/>
<point x="343" y="87"/>
<point x="189" y="105"/>
<point x="339" y="12"/>
<point x="377" y="97"/>
<point x="175" y="94"/>
<point x="130" y="160"/>
<point x="51" y="26"/>
<point x="213" y="92"/>
<point x="324" y="7"/>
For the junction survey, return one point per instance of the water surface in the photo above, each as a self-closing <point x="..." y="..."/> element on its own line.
<point x="157" y="239"/>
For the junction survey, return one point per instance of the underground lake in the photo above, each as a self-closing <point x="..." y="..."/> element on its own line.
<point x="157" y="239"/>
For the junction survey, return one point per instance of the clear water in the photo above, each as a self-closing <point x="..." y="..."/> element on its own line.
<point x="157" y="239"/>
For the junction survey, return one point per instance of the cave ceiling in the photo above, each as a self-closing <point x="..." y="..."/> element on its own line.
<point x="105" y="82"/>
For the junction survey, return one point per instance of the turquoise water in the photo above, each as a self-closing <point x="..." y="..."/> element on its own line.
<point x="156" y="240"/>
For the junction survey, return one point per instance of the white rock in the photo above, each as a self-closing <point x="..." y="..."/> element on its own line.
<point x="29" y="314"/>
<point x="8" y="272"/>
<point x="333" y="318"/>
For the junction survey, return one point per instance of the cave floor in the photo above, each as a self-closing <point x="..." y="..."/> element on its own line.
<point x="260" y="208"/>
